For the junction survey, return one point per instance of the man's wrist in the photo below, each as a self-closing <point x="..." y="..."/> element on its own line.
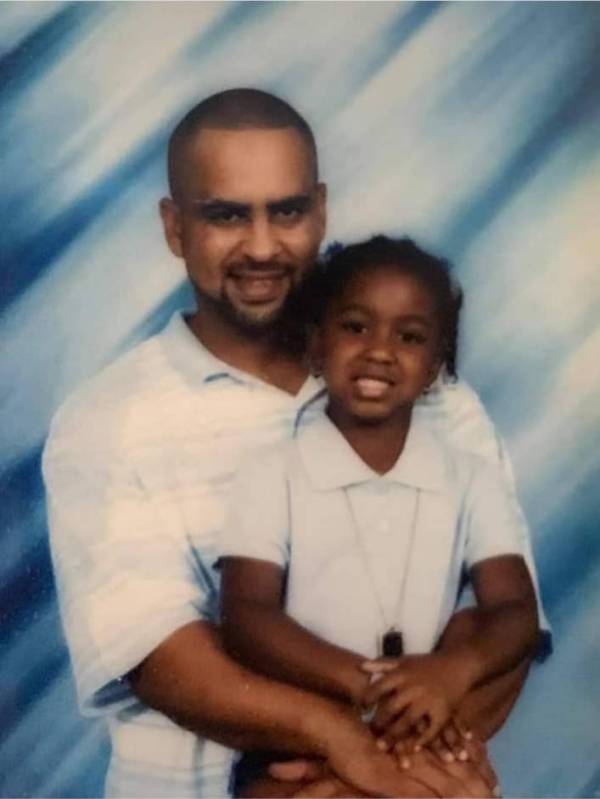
<point x="465" y="666"/>
<point x="322" y="723"/>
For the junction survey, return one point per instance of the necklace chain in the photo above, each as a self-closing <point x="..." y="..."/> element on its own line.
<point x="361" y="546"/>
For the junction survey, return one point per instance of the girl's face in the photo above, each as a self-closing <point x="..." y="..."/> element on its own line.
<point x="378" y="346"/>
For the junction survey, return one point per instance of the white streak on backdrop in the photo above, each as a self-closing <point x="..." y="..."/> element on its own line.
<point x="461" y="124"/>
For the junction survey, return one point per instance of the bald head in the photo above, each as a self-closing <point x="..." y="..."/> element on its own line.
<point x="234" y="109"/>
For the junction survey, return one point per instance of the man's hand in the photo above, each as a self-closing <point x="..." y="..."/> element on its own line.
<point x="416" y="695"/>
<point x="358" y="759"/>
<point x="428" y="777"/>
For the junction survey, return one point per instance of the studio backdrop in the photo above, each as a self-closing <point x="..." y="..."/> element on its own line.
<point x="472" y="127"/>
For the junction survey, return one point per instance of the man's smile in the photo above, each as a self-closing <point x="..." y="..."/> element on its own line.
<point x="254" y="285"/>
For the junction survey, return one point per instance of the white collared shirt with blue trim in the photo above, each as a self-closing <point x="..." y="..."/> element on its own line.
<point x="365" y="552"/>
<point x="138" y="468"/>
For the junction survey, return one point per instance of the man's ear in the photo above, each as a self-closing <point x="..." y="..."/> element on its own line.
<point x="171" y="219"/>
<point x="322" y="207"/>
<point x="315" y="351"/>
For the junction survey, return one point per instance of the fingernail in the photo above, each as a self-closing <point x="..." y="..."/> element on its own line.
<point x="449" y="757"/>
<point x="463" y="755"/>
<point x="417" y="748"/>
<point x="468" y="735"/>
<point x="405" y="763"/>
<point x="496" y="791"/>
<point x="381" y="744"/>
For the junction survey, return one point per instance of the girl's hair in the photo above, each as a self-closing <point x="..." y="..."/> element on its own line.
<point x="341" y="264"/>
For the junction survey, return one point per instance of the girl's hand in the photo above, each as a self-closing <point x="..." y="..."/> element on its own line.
<point x="416" y="696"/>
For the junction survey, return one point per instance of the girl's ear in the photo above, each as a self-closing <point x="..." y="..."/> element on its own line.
<point x="434" y="371"/>
<point x="315" y="351"/>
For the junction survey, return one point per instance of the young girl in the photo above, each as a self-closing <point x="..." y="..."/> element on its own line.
<point x="350" y="541"/>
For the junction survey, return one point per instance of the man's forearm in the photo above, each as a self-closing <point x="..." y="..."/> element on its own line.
<point x="190" y="678"/>
<point x="501" y="639"/>
<point x="485" y="707"/>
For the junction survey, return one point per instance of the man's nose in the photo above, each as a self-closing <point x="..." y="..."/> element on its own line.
<point x="261" y="242"/>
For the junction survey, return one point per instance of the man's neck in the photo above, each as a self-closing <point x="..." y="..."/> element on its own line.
<point x="260" y="356"/>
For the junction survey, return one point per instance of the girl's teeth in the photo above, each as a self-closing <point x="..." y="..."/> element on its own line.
<point x="371" y="388"/>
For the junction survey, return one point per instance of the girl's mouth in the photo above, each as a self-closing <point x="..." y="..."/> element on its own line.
<point x="372" y="387"/>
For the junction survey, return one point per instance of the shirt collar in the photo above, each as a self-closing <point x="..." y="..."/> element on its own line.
<point x="331" y="463"/>
<point x="199" y="366"/>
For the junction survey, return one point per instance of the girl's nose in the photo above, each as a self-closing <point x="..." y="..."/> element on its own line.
<point x="381" y="348"/>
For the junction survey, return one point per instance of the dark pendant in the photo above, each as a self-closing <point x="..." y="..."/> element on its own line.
<point x="392" y="645"/>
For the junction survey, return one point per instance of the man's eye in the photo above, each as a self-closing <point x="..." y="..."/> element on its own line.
<point x="353" y="326"/>
<point x="290" y="214"/>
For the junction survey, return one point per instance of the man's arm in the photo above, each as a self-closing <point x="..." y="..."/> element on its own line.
<point x="257" y="631"/>
<point x="485" y="707"/>
<point x="190" y="679"/>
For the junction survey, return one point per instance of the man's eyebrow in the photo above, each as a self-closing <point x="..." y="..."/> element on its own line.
<point x="296" y="202"/>
<point x="217" y="204"/>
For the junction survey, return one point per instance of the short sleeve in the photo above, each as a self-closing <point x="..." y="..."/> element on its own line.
<point x="257" y="524"/>
<point x="492" y="526"/>
<point x="455" y="411"/>
<point x="124" y="579"/>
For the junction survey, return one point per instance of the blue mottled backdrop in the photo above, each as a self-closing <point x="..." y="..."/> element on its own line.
<point x="474" y="127"/>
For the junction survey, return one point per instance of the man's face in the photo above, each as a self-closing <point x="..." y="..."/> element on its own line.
<point x="249" y="220"/>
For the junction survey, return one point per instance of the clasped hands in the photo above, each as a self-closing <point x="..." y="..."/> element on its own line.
<point x="413" y="702"/>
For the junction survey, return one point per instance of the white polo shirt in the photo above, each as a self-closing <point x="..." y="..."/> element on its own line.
<point x="138" y="468"/>
<point x="350" y="539"/>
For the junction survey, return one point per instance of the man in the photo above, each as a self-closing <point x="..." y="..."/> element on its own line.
<point x="139" y="462"/>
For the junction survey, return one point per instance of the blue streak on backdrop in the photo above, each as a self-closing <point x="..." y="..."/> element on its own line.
<point x="531" y="70"/>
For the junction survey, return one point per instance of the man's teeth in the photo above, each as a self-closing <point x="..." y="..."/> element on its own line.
<point x="372" y="387"/>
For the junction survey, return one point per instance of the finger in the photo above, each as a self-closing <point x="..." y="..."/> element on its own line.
<point x="454" y="741"/>
<point x="473" y="783"/>
<point x="428" y="769"/>
<point x="411" y="739"/>
<point x="463" y="729"/>
<point x="384" y="685"/>
<point x="393" y="704"/>
<point x="300" y="769"/>
<point x="436" y="715"/>
<point x="478" y="756"/>
<point x="439" y="747"/>
<point x="422" y="732"/>
<point x="321" y="789"/>
<point x="400" y="726"/>
<point x="401" y="756"/>
<point x="450" y="735"/>
<point x="377" y="666"/>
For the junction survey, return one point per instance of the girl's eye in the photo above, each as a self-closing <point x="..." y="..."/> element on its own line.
<point x="412" y="337"/>
<point x="354" y="326"/>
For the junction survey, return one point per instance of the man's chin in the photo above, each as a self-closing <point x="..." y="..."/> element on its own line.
<point x="254" y="320"/>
